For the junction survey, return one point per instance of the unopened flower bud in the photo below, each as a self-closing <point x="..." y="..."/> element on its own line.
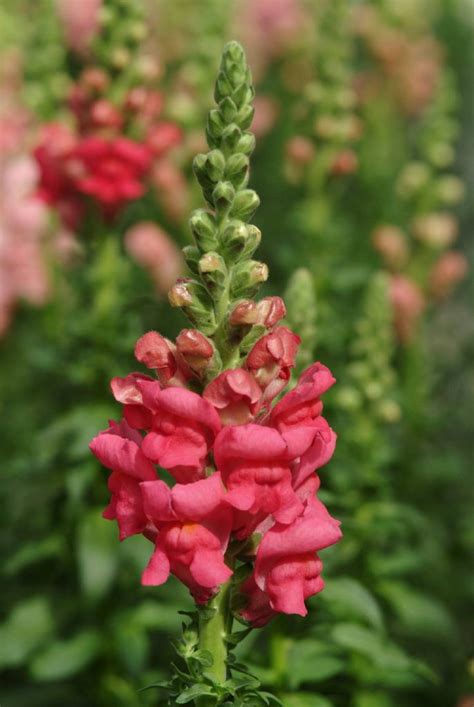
<point x="215" y="126"/>
<point x="195" y="348"/>
<point x="441" y="154"/>
<point x="236" y="169"/>
<point x="300" y="150"/>
<point x="345" y="162"/>
<point x="247" y="277"/>
<point x="204" y="229"/>
<point x="155" y="352"/>
<point x="192" y="255"/>
<point x="179" y="295"/>
<point x="245" y="204"/>
<point x="213" y="271"/>
<point x="215" y="165"/>
<point x="230" y="137"/>
<point x="412" y="178"/>
<point x="223" y="194"/>
<point x="246" y="144"/>
<point x="438" y="230"/>
<point x="245" y="312"/>
<point x="450" y="189"/>
<point x="120" y="57"/>
<point x="228" y="109"/>
<point x="270" y="311"/>
<point x="450" y="269"/>
<point x="389" y="411"/>
<point x="148" y="67"/>
<point x="137" y="31"/>
<point x="195" y="301"/>
<point x="391" y="243"/>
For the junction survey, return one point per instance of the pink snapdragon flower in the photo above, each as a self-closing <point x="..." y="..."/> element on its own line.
<point x="119" y="448"/>
<point x="287" y="568"/>
<point x="271" y="360"/>
<point x="193" y="525"/>
<point x="244" y="469"/>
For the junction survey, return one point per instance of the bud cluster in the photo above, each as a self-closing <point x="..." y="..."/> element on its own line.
<point x="119" y="140"/>
<point x="371" y="376"/>
<point x="224" y="273"/>
<point x="332" y="126"/>
<point x="417" y="255"/>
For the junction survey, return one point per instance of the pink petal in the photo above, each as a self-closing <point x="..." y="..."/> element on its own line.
<point x="157" y="570"/>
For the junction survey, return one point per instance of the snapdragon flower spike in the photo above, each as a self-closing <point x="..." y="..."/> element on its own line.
<point x="206" y="412"/>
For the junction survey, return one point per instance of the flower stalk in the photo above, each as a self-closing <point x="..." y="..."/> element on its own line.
<point x="242" y="525"/>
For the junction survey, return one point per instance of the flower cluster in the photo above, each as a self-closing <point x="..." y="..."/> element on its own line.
<point x="118" y="141"/>
<point x="244" y="469"/>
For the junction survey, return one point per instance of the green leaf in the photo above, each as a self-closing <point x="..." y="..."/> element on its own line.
<point x="98" y="554"/>
<point x="419" y="614"/>
<point x="310" y="661"/>
<point x="373" y="699"/>
<point x="349" y="599"/>
<point x="192" y="692"/>
<point x="62" y="659"/>
<point x="26" y="629"/>
<point x="131" y="645"/>
<point x="34" y="552"/>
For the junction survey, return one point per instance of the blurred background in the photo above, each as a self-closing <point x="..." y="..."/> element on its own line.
<point x="364" y="166"/>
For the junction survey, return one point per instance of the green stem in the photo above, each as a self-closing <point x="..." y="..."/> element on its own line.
<point x="214" y="627"/>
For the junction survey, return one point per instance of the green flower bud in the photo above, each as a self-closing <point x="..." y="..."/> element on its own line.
<point x="223" y="195"/>
<point x="246" y="144"/>
<point x="213" y="271"/>
<point x="196" y="303"/>
<point x="247" y="277"/>
<point x="223" y="87"/>
<point x="228" y="109"/>
<point x="199" y="169"/>
<point x="192" y="256"/>
<point x="245" y="116"/>
<point x="204" y="230"/>
<point x="242" y="95"/>
<point x="215" y="165"/>
<point x="215" y="126"/>
<point x="245" y="204"/>
<point x="236" y="170"/>
<point x="230" y="137"/>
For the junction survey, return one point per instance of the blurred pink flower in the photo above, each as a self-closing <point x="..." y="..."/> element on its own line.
<point x="266" y="114"/>
<point x="80" y="20"/>
<point x="448" y="270"/>
<point x="268" y="27"/>
<point x="22" y="222"/>
<point x="408" y="303"/>
<point x="171" y="188"/>
<point x="154" y="250"/>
